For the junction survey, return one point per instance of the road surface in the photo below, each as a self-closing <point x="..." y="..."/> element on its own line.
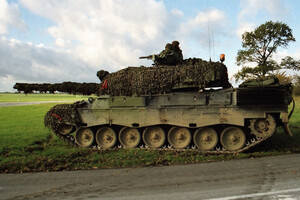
<point x="260" y="178"/>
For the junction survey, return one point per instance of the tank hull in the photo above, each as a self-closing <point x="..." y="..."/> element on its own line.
<point x="191" y="110"/>
<point x="213" y="121"/>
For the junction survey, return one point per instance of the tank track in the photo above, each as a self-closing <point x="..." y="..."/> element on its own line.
<point x="251" y="142"/>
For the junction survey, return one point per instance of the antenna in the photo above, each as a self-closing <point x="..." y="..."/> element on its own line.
<point x="209" y="47"/>
<point x="211" y="40"/>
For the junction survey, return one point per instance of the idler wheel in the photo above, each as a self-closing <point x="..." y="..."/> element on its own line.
<point x="233" y="138"/>
<point x="65" y="129"/>
<point x="129" y="137"/>
<point x="179" y="137"/>
<point x="84" y="137"/>
<point x="106" y="137"/>
<point x="154" y="137"/>
<point x="205" y="138"/>
<point x="264" y="127"/>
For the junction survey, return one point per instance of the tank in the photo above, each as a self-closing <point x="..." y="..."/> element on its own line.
<point x="186" y="115"/>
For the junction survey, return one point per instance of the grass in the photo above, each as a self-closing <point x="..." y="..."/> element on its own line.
<point x="26" y="146"/>
<point x="9" y="97"/>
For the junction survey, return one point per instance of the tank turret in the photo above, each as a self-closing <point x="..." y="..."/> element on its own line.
<point x="192" y="73"/>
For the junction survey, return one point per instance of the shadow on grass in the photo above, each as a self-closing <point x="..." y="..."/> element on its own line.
<point x="280" y="142"/>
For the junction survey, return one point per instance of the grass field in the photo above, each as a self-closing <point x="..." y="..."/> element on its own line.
<point x="26" y="146"/>
<point x="9" y="97"/>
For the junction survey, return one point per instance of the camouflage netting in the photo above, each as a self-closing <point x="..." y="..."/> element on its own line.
<point x="162" y="79"/>
<point x="261" y="82"/>
<point x="61" y="113"/>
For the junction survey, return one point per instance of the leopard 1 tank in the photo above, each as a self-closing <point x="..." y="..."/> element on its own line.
<point x="219" y="120"/>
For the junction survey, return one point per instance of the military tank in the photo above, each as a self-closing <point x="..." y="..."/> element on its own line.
<point x="181" y="112"/>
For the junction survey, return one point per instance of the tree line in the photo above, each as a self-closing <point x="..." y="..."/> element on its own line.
<point x="66" y="87"/>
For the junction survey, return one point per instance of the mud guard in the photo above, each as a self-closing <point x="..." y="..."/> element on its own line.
<point x="285" y="124"/>
<point x="287" y="129"/>
<point x="292" y="111"/>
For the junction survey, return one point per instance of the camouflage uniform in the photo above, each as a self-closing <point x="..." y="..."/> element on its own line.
<point x="166" y="57"/>
<point x="177" y="51"/>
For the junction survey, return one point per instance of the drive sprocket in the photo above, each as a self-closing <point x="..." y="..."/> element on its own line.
<point x="263" y="127"/>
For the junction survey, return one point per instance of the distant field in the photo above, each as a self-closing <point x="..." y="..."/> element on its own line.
<point x="26" y="146"/>
<point x="9" y="97"/>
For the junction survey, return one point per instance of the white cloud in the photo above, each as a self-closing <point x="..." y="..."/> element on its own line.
<point x="60" y="42"/>
<point x="283" y="53"/>
<point x="22" y="61"/>
<point x="256" y="12"/>
<point x="206" y="29"/>
<point x="177" y="13"/>
<point x="10" y="16"/>
<point x="106" y="33"/>
<point x="245" y="27"/>
<point x="202" y="19"/>
<point x="252" y="7"/>
<point x="7" y="83"/>
<point x="88" y="36"/>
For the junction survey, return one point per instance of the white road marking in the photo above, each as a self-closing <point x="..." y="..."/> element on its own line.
<point x="257" y="194"/>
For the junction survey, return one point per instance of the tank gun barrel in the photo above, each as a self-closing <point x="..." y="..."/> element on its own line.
<point x="146" y="57"/>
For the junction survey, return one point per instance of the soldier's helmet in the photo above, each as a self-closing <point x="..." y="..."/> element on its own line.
<point x="169" y="46"/>
<point x="175" y="43"/>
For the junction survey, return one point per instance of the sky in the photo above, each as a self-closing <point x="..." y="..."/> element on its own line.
<point x="52" y="41"/>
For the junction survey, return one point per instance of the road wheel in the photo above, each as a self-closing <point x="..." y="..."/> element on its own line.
<point x="65" y="129"/>
<point x="129" y="137"/>
<point x="106" y="137"/>
<point x="205" y="138"/>
<point x="179" y="137"/>
<point x="233" y="138"/>
<point x="84" y="137"/>
<point x="154" y="137"/>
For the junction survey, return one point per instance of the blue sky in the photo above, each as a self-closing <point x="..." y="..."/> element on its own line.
<point x="55" y="41"/>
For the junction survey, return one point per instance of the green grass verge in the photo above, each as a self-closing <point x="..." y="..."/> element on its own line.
<point x="9" y="97"/>
<point x="26" y="146"/>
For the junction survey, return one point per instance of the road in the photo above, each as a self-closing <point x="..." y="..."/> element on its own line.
<point x="260" y="178"/>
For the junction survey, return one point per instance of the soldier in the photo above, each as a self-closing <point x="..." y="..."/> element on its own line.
<point x="177" y="51"/>
<point x="166" y="57"/>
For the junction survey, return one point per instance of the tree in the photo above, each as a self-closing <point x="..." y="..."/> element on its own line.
<point x="259" y="46"/>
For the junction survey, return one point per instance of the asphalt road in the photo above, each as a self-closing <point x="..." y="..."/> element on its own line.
<point x="261" y="178"/>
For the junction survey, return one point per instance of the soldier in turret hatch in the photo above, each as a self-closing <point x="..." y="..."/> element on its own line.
<point x="166" y="57"/>
<point x="177" y="51"/>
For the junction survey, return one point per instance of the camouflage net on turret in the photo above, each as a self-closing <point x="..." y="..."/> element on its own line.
<point x="162" y="79"/>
